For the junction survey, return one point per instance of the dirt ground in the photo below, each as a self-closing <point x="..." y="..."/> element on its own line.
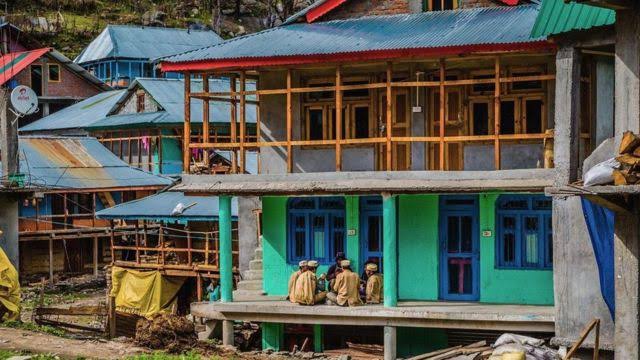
<point x="35" y="342"/>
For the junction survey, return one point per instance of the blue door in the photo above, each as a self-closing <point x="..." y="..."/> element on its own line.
<point x="371" y="229"/>
<point x="459" y="248"/>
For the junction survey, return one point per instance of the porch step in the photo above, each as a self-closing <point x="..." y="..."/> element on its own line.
<point x="252" y="275"/>
<point x="248" y="295"/>
<point x="257" y="253"/>
<point x="250" y="285"/>
<point x="255" y="265"/>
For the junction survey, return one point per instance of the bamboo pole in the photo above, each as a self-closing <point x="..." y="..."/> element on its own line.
<point x="442" y="114"/>
<point x="233" y="125"/>
<point x="389" y="160"/>
<point x="289" y="126"/>
<point x="338" y="119"/>
<point x="243" y="118"/>
<point x="186" y="136"/>
<point x="205" y="118"/>
<point x="497" y="115"/>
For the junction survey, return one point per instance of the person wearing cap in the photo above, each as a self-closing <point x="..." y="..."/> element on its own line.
<point x="306" y="286"/>
<point x="335" y="269"/>
<point x="373" y="290"/>
<point x="302" y="267"/>
<point x="345" y="289"/>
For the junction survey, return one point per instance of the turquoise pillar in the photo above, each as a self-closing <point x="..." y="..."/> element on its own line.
<point x="272" y="336"/>
<point x="318" y="338"/>
<point x="390" y="249"/>
<point x="226" y="255"/>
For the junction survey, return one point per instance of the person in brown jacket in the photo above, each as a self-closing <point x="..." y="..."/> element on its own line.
<point x="302" y="267"/>
<point x="345" y="289"/>
<point x="373" y="289"/>
<point x="306" y="287"/>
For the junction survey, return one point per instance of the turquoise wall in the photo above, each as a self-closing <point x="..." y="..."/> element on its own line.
<point x="417" y="341"/>
<point x="533" y="287"/>
<point x="171" y="155"/>
<point x="418" y="249"/>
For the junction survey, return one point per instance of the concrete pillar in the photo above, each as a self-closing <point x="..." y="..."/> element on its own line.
<point x="226" y="255"/>
<point x="227" y="333"/>
<point x="390" y="249"/>
<point x="9" y="228"/>
<point x="390" y="342"/>
<point x="567" y="118"/>
<point x="247" y="230"/>
<point x="627" y="270"/>
<point x="627" y="67"/>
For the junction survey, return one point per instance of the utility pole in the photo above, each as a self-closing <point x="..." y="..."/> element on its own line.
<point x="8" y="138"/>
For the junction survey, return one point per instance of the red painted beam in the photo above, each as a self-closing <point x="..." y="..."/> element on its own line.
<point x="321" y="10"/>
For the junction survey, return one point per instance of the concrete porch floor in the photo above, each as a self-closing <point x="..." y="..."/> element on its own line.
<point x="451" y="315"/>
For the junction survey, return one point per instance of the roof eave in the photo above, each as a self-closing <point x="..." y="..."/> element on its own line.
<point x="256" y="62"/>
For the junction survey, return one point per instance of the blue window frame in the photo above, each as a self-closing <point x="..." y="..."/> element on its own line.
<point x="316" y="228"/>
<point x="524" y="232"/>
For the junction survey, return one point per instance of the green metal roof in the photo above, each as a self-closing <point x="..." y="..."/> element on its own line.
<point x="556" y="17"/>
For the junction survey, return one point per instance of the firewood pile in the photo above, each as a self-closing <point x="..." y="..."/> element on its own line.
<point x="629" y="159"/>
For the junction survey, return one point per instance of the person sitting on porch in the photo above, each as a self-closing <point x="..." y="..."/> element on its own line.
<point x="335" y="269"/>
<point x="306" y="286"/>
<point x="364" y="277"/>
<point x="345" y="289"/>
<point x="373" y="289"/>
<point x="302" y="267"/>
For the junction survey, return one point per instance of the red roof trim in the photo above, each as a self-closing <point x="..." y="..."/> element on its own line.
<point x="322" y="9"/>
<point x="12" y="63"/>
<point x="510" y="2"/>
<point x="255" y="62"/>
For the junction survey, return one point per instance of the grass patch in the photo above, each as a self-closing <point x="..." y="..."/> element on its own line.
<point x="159" y="355"/>
<point x="48" y="299"/>
<point x="33" y="327"/>
<point x="6" y="354"/>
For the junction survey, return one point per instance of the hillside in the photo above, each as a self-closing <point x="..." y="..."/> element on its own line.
<point x="69" y="25"/>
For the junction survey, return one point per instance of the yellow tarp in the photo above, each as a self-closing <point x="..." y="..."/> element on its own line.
<point x="144" y="293"/>
<point x="9" y="289"/>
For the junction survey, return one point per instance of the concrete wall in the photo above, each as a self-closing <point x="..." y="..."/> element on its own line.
<point x="577" y="289"/>
<point x="418" y="248"/>
<point x="247" y="229"/>
<point x="512" y="156"/>
<point x="9" y="227"/>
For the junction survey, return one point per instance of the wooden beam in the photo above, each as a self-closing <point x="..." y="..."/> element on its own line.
<point x="338" y="128"/>
<point x="289" y="125"/>
<point x="497" y="116"/>
<point x="243" y="121"/>
<point x="233" y="125"/>
<point x="389" y="122"/>
<point x="51" y="280"/>
<point x="442" y="114"/>
<point x="186" y="135"/>
<point x="95" y="256"/>
<point x="205" y="117"/>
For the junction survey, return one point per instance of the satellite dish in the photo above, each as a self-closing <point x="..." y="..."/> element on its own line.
<point x="24" y="100"/>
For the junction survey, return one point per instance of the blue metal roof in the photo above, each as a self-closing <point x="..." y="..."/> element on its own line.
<point x="158" y="207"/>
<point x="78" y="163"/>
<point x="251" y="160"/>
<point x="434" y="29"/>
<point x="78" y="115"/>
<point x="169" y="95"/>
<point x="143" y="42"/>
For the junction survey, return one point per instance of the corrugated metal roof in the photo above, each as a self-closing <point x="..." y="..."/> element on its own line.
<point x="435" y="29"/>
<point x="78" y="115"/>
<point x="293" y="18"/>
<point x="78" y="163"/>
<point x="158" y="207"/>
<point x="140" y="42"/>
<point x="169" y="94"/>
<point x="557" y="17"/>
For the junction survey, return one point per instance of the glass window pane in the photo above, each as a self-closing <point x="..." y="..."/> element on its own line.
<point x="533" y="112"/>
<point x="466" y="232"/>
<point x="319" y="237"/>
<point x="509" y="249"/>
<point x="508" y="222"/>
<point x="480" y="114"/>
<point x="315" y="124"/>
<point x="507" y="117"/>
<point x="338" y="234"/>
<point x="361" y="122"/>
<point x="531" y="240"/>
<point x="374" y="233"/>
<point x="453" y="234"/>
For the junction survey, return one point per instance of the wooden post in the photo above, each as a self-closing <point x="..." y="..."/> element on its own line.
<point x="93" y="209"/>
<point x="243" y="119"/>
<point x="189" y="245"/>
<point x="258" y="134"/>
<point x="205" y="117"/>
<point x="206" y="248"/>
<point x="497" y="115"/>
<point x="233" y="125"/>
<point x="95" y="255"/>
<point x="137" y="243"/>
<point x="186" y="136"/>
<point x="338" y="128"/>
<point x="112" y="317"/>
<point x="442" y="121"/>
<point x="161" y="244"/>
<point x="199" y="286"/>
<point x="389" y="160"/>
<point x="51" y="281"/>
<point x="289" y="125"/>
<point x="112" y="241"/>
<point x="66" y="210"/>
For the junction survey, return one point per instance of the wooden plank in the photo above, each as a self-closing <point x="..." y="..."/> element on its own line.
<point x="95" y="256"/>
<point x="595" y="323"/>
<point x="442" y="113"/>
<point x="51" y="280"/>
<point x="289" y="115"/>
<point x="389" y="122"/>
<point x="243" y="124"/>
<point x="496" y="115"/>
<point x="205" y="117"/>
<point x="189" y="246"/>
<point x="233" y="126"/>
<point x="186" y="135"/>
<point x="338" y="118"/>
<point x="435" y="353"/>
<point x="80" y="310"/>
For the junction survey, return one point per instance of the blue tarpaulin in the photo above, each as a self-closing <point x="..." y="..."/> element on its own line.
<point x="600" y="222"/>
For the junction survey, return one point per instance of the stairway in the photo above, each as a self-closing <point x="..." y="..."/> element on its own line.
<point x="250" y="287"/>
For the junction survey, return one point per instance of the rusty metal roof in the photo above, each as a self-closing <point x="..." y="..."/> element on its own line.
<point x="79" y="163"/>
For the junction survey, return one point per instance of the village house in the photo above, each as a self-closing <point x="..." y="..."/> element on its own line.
<point x="445" y="192"/>
<point x="122" y="53"/>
